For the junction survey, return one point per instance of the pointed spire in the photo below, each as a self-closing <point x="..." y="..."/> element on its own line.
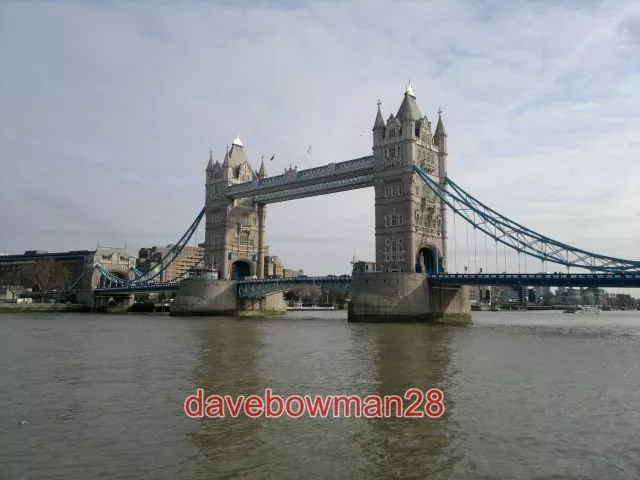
<point x="236" y="141"/>
<point x="440" y="131"/>
<point x="263" y="171"/>
<point x="379" y="123"/>
<point x="225" y="163"/>
<point x="409" y="109"/>
<point x="409" y="90"/>
<point x="210" y="164"/>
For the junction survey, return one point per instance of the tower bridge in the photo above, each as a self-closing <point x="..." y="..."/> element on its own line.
<point x="411" y="279"/>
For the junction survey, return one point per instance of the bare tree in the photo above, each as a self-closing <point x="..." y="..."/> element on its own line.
<point x="46" y="276"/>
<point x="12" y="281"/>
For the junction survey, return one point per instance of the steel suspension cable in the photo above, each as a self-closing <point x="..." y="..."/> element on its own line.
<point x="455" y="244"/>
<point x="475" y="251"/>
<point x="518" y="237"/>
<point x="486" y="256"/>
<point x="466" y="267"/>
<point x="505" y="257"/>
<point x="519" y="263"/>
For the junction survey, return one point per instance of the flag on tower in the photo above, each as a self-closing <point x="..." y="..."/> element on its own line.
<point x="309" y="149"/>
<point x="272" y="157"/>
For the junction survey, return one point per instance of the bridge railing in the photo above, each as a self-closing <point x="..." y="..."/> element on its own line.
<point x="541" y="279"/>
<point x="303" y="279"/>
<point x="292" y="176"/>
<point x="543" y="276"/>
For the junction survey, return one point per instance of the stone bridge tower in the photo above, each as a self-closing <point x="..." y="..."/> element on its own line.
<point x="411" y="232"/>
<point x="234" y="231"/>
<point x="411" y="229"/>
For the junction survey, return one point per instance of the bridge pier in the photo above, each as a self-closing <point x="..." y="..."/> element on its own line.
<point x="406" y="297"/>
<point x="204" y="297"/>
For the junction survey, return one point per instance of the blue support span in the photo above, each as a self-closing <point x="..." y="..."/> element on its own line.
<point x="623" y="280"/>
<point x="144" y="282"/>
<point x="260" y="288"/>
<point x="129" y="289"/>
<point x="173" y="252"/>
<point x="518" y="237"/>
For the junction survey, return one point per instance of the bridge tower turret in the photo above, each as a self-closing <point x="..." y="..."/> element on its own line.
<point x="379" y="127"/>
<point x="440" y="140"/>
<point x="409" y="217"/>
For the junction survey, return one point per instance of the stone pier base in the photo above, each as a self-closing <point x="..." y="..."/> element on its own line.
<point x="121" y="303"/>
<point x="219" y="298"/>
<point x="406" y="297"/>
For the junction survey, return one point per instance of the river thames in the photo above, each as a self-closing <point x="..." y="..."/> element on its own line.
<point x="541" y="395"/>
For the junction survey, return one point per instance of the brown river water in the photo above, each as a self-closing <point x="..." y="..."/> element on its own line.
<point x="541" y="395"/>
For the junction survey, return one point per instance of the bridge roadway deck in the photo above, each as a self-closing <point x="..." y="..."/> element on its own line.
<point x="539" y="279"/>
<point x="251" y="288"/>
<point x="128" y="289"/>
<point x="331" y="178"/>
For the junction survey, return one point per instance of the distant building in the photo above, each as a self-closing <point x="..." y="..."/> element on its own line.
<point x="362" y="267"/>
<point x="273" y="267"/>
<point x="289" y="272"/>
<point x="189" y="257"/>
<point x="76" y="261"/>
<point x="72" y="260"/>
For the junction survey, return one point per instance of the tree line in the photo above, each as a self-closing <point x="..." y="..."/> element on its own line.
<point x="42" y="277"/>
<point x="308" y="293"/>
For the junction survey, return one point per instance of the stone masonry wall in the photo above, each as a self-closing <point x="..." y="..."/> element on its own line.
<point x="272" y="304"/>
<point x="390" y="296"/>
<point x="205" y="297"/>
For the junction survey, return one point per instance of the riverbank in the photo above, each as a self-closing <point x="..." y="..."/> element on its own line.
<point x="42" y="308"/>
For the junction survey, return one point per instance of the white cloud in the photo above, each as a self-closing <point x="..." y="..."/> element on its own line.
<point x="540" y="103"/>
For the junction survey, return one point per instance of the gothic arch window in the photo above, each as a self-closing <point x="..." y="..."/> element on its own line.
<point x="393" y="220"/>
<point x="394" y="250"/>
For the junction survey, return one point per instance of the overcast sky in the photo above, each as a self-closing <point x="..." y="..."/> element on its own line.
<point x="108" y="113"/>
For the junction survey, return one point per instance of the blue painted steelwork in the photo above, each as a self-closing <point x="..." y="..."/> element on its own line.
<point x="539" y="279"/>
<point x="129" y="289"/>
<point x="109" y="280"/>
<point x="246" y="288"/>
<point x="260" y="288"/>
<point x="518" y="237"/>
<point x="173" y="252"/>
<point x="145" y="287"/>
<point x="137" y="273"/>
